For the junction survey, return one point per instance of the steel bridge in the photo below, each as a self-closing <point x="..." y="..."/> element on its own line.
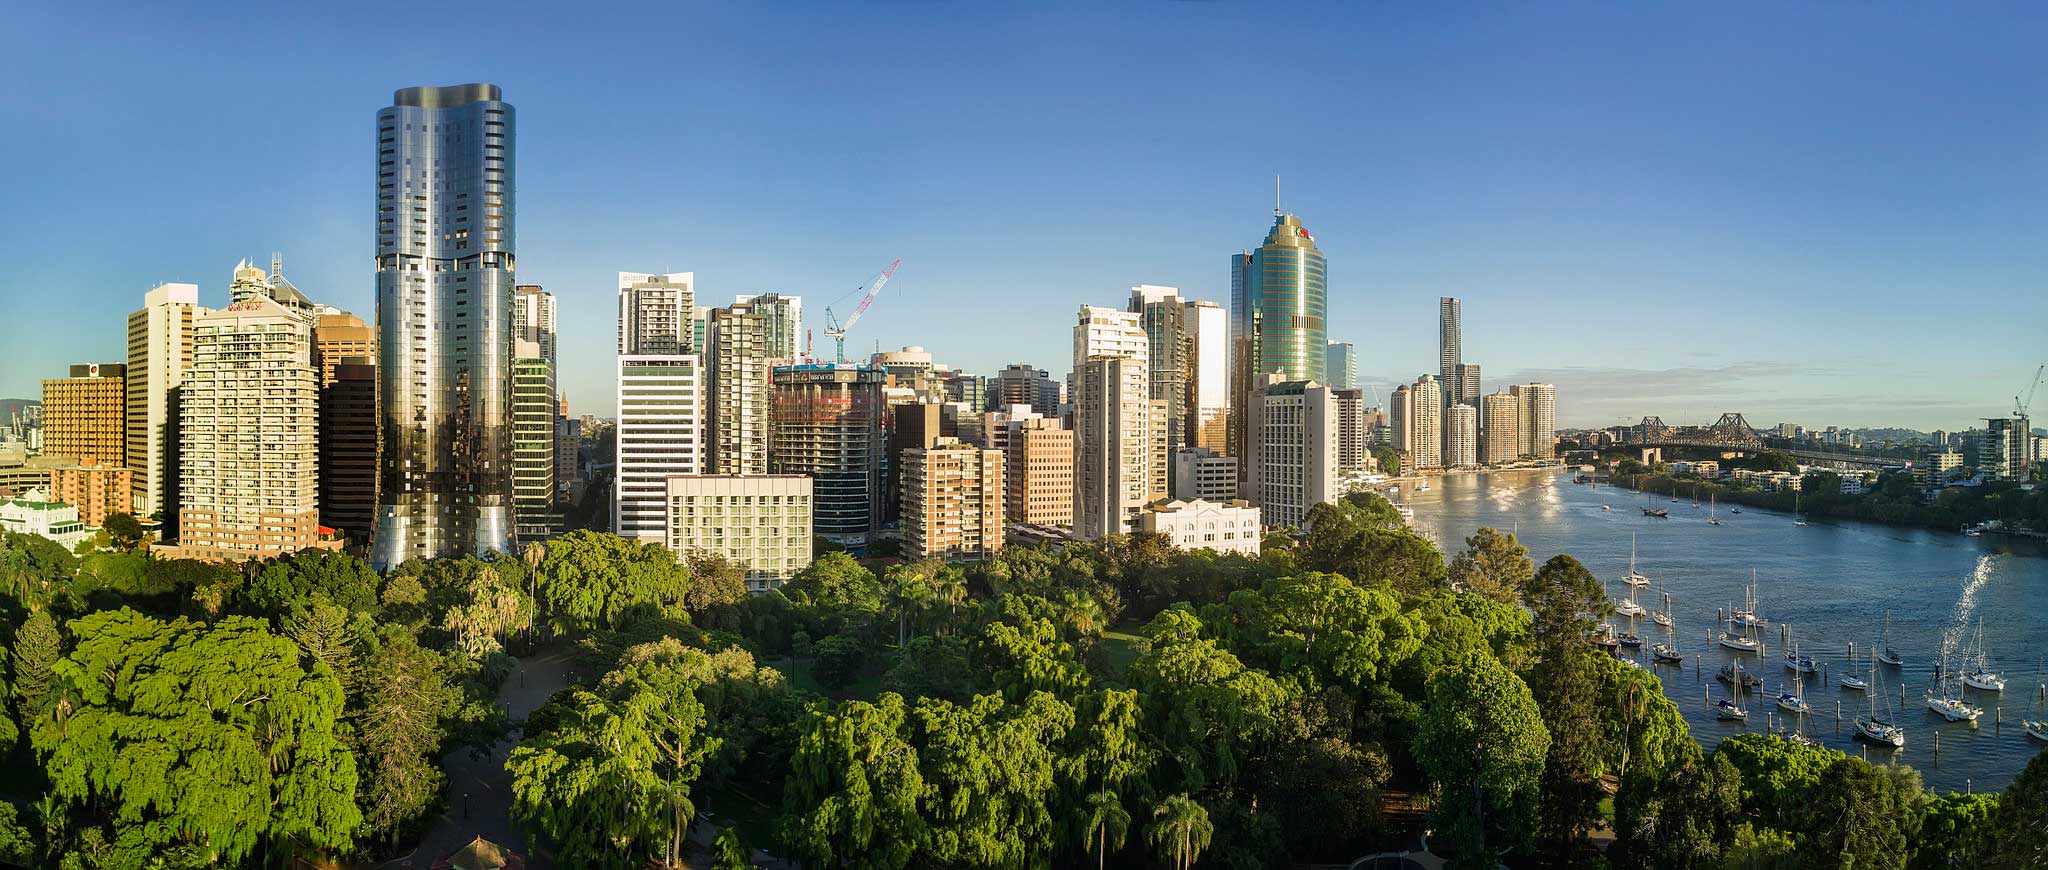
<point x="1732" y="433"/>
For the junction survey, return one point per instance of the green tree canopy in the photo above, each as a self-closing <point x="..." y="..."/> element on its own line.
<point x="854" y="787"/>
<point x="2014" y="837"/>
<point x="1483" y="742"/>
<point x="1494" y="565"/>
<point x="590" y="580"/>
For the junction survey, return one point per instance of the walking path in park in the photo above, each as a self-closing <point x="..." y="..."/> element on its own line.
<point x="479" y="791"/>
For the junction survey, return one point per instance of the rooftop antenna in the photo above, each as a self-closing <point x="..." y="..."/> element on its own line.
<point x="276" y="265"/>
<point x="1276" y="195"/>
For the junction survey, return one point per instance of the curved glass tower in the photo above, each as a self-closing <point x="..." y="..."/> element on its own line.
<point x="444" y="323"/>
<point x="1278" y="301"/>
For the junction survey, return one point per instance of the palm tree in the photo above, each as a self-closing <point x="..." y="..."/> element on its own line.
<point x="1107" y="823"/>
<point x="1180" y="830"/>
<point x="536" y="552"/>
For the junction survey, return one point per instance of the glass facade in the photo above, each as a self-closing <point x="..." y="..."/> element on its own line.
<point x="445" y="264"/>
<point x="1279" y="301"/>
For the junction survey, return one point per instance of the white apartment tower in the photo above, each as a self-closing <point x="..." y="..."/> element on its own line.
<point x="1112" y="421"/>
<point x="1461" y="436"/>
<point x="1425" y="423"/>
<point x="1539" y="418"/>
<point x="533" y="319"/>
<point x="741" y="363"/>
<point x="1291" y="450"/>
<point x="1502" y="439"/>
<point x="660" y="434"/>
<point x="656" y="314"/>
<point x="159" y="354"/>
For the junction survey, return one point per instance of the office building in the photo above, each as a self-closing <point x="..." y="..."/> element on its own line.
<point x="1161" y="314"/>
<point x="339" y="337"/>
<point x="35" y="512"/>
<point x="1539" y="419"/>
<point x="970" y="392"/>
<point x="349" y="445"/>
<point x="1425" y="424"/>
<point x="1206" y="348"/>
<point x="1227" y="526"/>
<point x="1353" y="454"/>
<point x="913" y="425"/>
<point x="827" y="425"/>
<point x="910" y="367"/>
<point x="533" y="319"/>
<point x="1461" y="436"/>
<point x="1502" y="442"/>
<point x="741" y="363"/>
<point x="659" y="434"/>
<point x="249" y="419"/>
<point x="533" y="443"/>
<point x="446" y="236"/>
<point x="1202" y="473"/>
<point x="1039" y="471"/>
<point x="760" y="522"/>
<point x="1020" y="384"/>
<point x="85" y="416"/>
<point x="1468" y="385"/>
<point x="568" y="449"/>
<point x="952" y="501"/>
<point x="659" y="315"/>
<point x="1449" y="344"/>
<point x="1340" y="361"/>
<point x="1292" y="450"/>
<point x="784" y="327"/>
<point x="94" y="488"/>
<point x="1278" y="305"/>
<point x="159" y="353"/>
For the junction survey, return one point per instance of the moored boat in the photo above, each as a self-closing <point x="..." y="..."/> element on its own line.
<point x="1665" y="653"/>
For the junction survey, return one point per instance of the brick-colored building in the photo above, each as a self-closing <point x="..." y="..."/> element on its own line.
<point x="952" y="501"/>
<point x="95" y="488"/>
<point x="85" y="416"/>
<point x="1039" y="472"/>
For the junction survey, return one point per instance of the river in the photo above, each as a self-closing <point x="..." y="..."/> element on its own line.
<point x="1828" y="584"/>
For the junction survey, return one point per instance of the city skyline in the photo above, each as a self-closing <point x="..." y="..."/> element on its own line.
<point x="1625" y="248"/>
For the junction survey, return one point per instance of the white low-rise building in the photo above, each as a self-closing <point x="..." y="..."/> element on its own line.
<point x="761" y="522"/>
<point x="33" y="513"/>
<point x="1226" y="526"/>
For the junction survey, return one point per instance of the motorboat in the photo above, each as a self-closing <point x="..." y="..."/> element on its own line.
<point x="2037" y="730"/>
<point x="1664" y="653"/>
<point x="1625" y="607"/>
<point x="1730" y="711"/>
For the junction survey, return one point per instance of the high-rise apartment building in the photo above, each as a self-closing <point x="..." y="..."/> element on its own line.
<point x="1161" y="314"/>
<point x="533" y="318"/>
<point x="248" y="429"/>
<point x="348" y="444"/>
<point x="827" y="425"/>
<point x="1401" y="422"/>
<point x="660" y="434"/>
<point x="533" y="443"/>
<point x="446" y="238"/>
<point x="1425" y="423"/>
<point x="784" y="327"/>
<point x="2004" y="448"/>
<point x="1039" y="471"/>
<point x="85" y="416"/>
<point x="952" y="501"/>
<point x="1292" y="451"/>
<point x="1021" y="384"/>
<point x="659" y="315"/>
<point x="95" y="488"/>
<point x="1461" y="436"/>
<point x="1449" y="344"/>
<point x="338" y="337"/>
<point x="761" y="522"/>
<point x="159" y="353"/>
<point x="1352" y="434"/>
<point x="1539" y="418"/>
<point x="1340" y="361"/>
<point x="741" y="362"/>
<point x="1468" y="385"/>
<point x="1502" y="442"/>
<point x="1278" y="305"/>
<point x="911" y="425"/>
<point x="1113" y="428"/>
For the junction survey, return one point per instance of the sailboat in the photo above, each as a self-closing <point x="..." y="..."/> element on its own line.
<point x="1695" y="495"/>
<point x="1978" y="675"/>
<point x="1879" y="728"/>
<point x="1663" y="617"/>
<point x="1628" y="606"/>
<point x="1748" y="615"/>
<point x="1730" y="709"/>
<point x="1745" y="642"/>
<point x="1633" y="578"/>
<point x="1666" y="654"/>
<point x="1950" y="706"/>
<point x="1711" y="519"/>
<point x="1798" y="519"/>
<point x="1885" y="653"/>
<point x="1794" y="702"/>
<point x="1799" y="664"/>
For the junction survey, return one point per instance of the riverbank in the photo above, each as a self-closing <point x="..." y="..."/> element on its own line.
<point x="1888" y="504"/>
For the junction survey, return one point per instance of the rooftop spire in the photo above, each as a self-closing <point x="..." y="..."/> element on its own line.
<point x="1276" y="195"/>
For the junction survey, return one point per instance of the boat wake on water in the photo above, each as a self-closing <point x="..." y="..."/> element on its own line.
<point x="1966" y="606"/>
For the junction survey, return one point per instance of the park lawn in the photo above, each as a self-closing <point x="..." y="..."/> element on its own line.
<point x="1122" y="648"/>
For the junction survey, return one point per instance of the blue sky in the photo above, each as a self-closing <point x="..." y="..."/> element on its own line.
<point x="1825" y="213"/>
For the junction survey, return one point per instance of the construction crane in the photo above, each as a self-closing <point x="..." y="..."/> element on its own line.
<point x="836" y="330"/>
<point x="2020" y="408"/>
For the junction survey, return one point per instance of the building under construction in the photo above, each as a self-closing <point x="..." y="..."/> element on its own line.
<point x="826" y="422"/>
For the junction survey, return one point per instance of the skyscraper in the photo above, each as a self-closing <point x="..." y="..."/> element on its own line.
<point x="1207" y="404"/>
<point x="1278" y="306"/>
<point x="827" y="424"/>
<point x="658" y="314"/>
<point x="1401" y="422"/>
<point x="952" y="501"/>
<point x="1450" y="345"/>
<point x="1502" y="441"/>
<point x="1468" y="384"/>
<point x="1038" y="471"/>
<point x="1161" y="314"/>
<point x="533" y="319"/>
<point x="785" y="326"/>
<point x="159" y="354"/>
<point x="741" y="361"/>
<point x="445" y="241"/>
<point x="1022" y="384"/>
<point x="1113" y="428"/>
<point x="1425" y="424"/>
<point x="348" y="445"/>
<point x="1539" y="418"/>
<point x="660" y="434"/>
<point x="85" y="416"/>
<point x="1292" y="450"/>
<point x="249" y="419"/>
<point x="533" y="442"/>
<point x="1352" y="434"/>
<point x="1461" y="436"/>
<point x="1340" y="361"/>
<point x="337" y="337"/>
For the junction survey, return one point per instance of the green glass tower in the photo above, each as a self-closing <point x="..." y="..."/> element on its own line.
<point x="1278" y="303"/>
